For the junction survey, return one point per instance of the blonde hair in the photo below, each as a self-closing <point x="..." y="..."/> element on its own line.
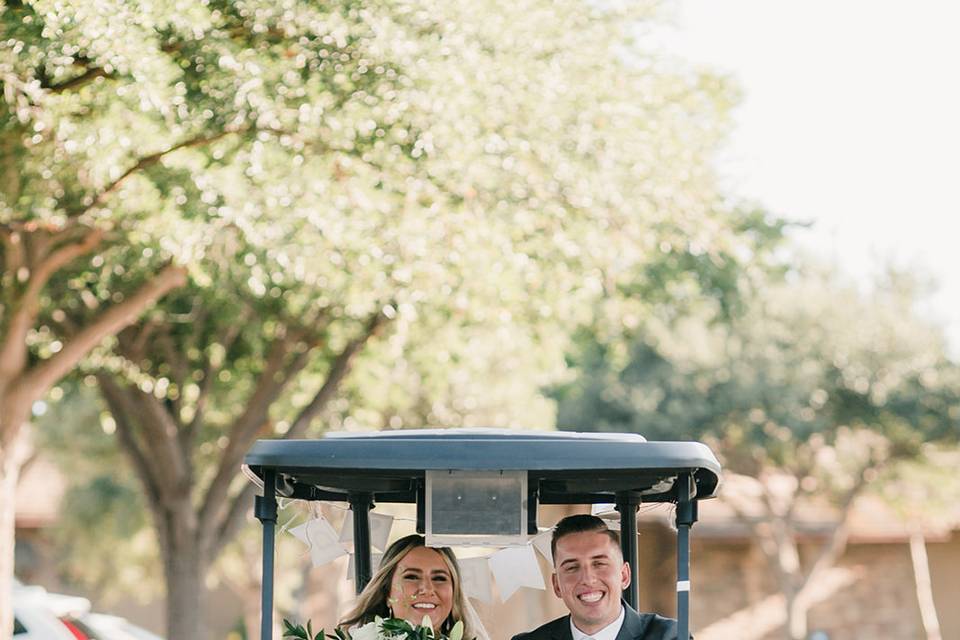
<point x="372" y="601"/>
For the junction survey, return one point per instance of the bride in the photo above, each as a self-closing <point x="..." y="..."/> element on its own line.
<point x="414" y="581"/>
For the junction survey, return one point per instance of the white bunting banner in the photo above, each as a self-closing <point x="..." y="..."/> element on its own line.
<point x="602" y="507"/>
<point x="515" y="567"/>
<point x="380" y="526"/>
<point x="475" y="578"/>
<point x="541" y="542"/>
<point x="321" y="538"/>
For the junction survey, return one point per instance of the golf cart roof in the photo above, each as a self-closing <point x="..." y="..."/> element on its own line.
<point x="536" y="467"/>
<point x="562" y="467"/>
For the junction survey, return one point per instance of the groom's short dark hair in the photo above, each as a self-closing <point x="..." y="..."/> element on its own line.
<point x="581" y="523"/>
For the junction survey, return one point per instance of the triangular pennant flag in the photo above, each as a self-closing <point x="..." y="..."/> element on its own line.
<point x="380" y="526"/>
<point x="613" y="525"/>
<point x="321" y="538"/>
<point x="475" y="578"/>
<point x="315" y="531"/>
<point x="516" y="567"/>
<point x="602" y="507"/>
<point x="541" y="542"/>
<point x="375" y="559"/>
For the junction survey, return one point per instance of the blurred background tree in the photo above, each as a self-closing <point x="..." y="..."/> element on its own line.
<point x="390" y="215"/>
<point x="434" y="194"/>
<point x="810" y="392"/>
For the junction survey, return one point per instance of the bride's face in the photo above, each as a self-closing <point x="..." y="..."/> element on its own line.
<point x="422" y="586"/>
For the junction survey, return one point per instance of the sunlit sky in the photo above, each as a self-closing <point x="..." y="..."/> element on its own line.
<point x="851" y="119"/>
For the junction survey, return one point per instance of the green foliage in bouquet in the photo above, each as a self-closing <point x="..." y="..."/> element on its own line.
<point x="298" y="632"/>
<point x="380" y="629"/>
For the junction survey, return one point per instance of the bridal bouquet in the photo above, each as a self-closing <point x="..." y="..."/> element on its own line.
<point x="379" y="629"/>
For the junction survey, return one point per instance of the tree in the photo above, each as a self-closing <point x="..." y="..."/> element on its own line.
<point x="327" y="172"/>
<point x="812" y="391"/>
<point x="48" y="226"/>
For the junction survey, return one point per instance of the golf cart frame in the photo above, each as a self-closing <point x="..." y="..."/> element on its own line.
<point x="363" y="469"/>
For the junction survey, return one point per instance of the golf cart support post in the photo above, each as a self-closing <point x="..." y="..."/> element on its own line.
<point x="363" y="469"/>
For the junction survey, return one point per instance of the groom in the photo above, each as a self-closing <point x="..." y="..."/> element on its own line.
<point x="589" y="576"/>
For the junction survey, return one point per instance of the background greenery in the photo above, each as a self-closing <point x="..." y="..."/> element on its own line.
<point x="394" y="214"/>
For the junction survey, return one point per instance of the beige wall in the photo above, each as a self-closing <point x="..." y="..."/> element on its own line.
<point x="873" y="596"/>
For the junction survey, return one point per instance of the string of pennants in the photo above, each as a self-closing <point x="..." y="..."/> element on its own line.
<point x="510" y="567"/>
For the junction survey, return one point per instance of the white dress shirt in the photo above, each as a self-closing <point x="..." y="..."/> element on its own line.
<point x="609" y="632"/>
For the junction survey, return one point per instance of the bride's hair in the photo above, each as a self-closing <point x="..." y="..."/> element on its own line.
<point x="372" y="601"/>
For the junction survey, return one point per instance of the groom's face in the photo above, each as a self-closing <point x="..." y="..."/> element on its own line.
<point x="590" y="578"/>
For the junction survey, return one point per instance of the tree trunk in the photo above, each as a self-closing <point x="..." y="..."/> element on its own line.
<point x="8" y="495"/>
<point x="194" y="523"/>
<point x="185" y="570"/>
<point x="12" y="458"/>
<point x="780" y="546"/>
<point x="921" y="575"/>
<point x="9" y="474"/>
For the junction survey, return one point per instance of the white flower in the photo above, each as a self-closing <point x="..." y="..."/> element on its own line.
<point x="369" y="631"/>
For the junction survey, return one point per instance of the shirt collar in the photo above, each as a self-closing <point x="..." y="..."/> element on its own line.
<point x="609" y="632"/>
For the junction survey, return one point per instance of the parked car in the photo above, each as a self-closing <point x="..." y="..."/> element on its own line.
<point x="37" y="614"/>
<point x="41" y="615"/>
<point x="100" y="626"/>
<point x="37" y="623"/>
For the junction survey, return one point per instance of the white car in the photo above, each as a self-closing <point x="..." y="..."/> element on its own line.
<point x="40" y="615"/>
<point x="37" y="614"/>
<point x="107" y="627"/>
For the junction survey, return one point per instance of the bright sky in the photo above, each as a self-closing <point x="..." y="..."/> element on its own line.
<point x="850" y="118"/>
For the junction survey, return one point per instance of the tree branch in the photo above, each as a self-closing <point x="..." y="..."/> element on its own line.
<point x="170" y="464"/>
<point x="13" y="254"/>
<point x="837" y="543"/>
<point x="338" y="371"/>
<point x="136" y="338"/>
<point x="108" y="323"/>
<point x="210" y="372"/>
<point x="90" y="74"/>
<point x="234" y="516"/>
<point x="179" y="367"/>
<point x="275" y="376"/>
<point x="57" y="259"/>
<point x="13" y="354"/>
<point x="240" y="439"/>
<point x="121" y="410"/>
<point x="146" y="162"/>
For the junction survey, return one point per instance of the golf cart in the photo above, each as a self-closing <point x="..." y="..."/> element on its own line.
<point x="483" y="487"/>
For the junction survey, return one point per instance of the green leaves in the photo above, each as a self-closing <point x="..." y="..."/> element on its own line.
<point x="810" y="378"/>
<point x="488" y="176"/>
<point x="381" y="629"/>
<point x="298" y="632"/>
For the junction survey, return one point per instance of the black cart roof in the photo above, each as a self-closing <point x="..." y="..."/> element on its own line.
<point x="562" y="467"/>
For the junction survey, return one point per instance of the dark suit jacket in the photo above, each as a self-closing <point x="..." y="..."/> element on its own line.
<point x="636" y="626"/>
